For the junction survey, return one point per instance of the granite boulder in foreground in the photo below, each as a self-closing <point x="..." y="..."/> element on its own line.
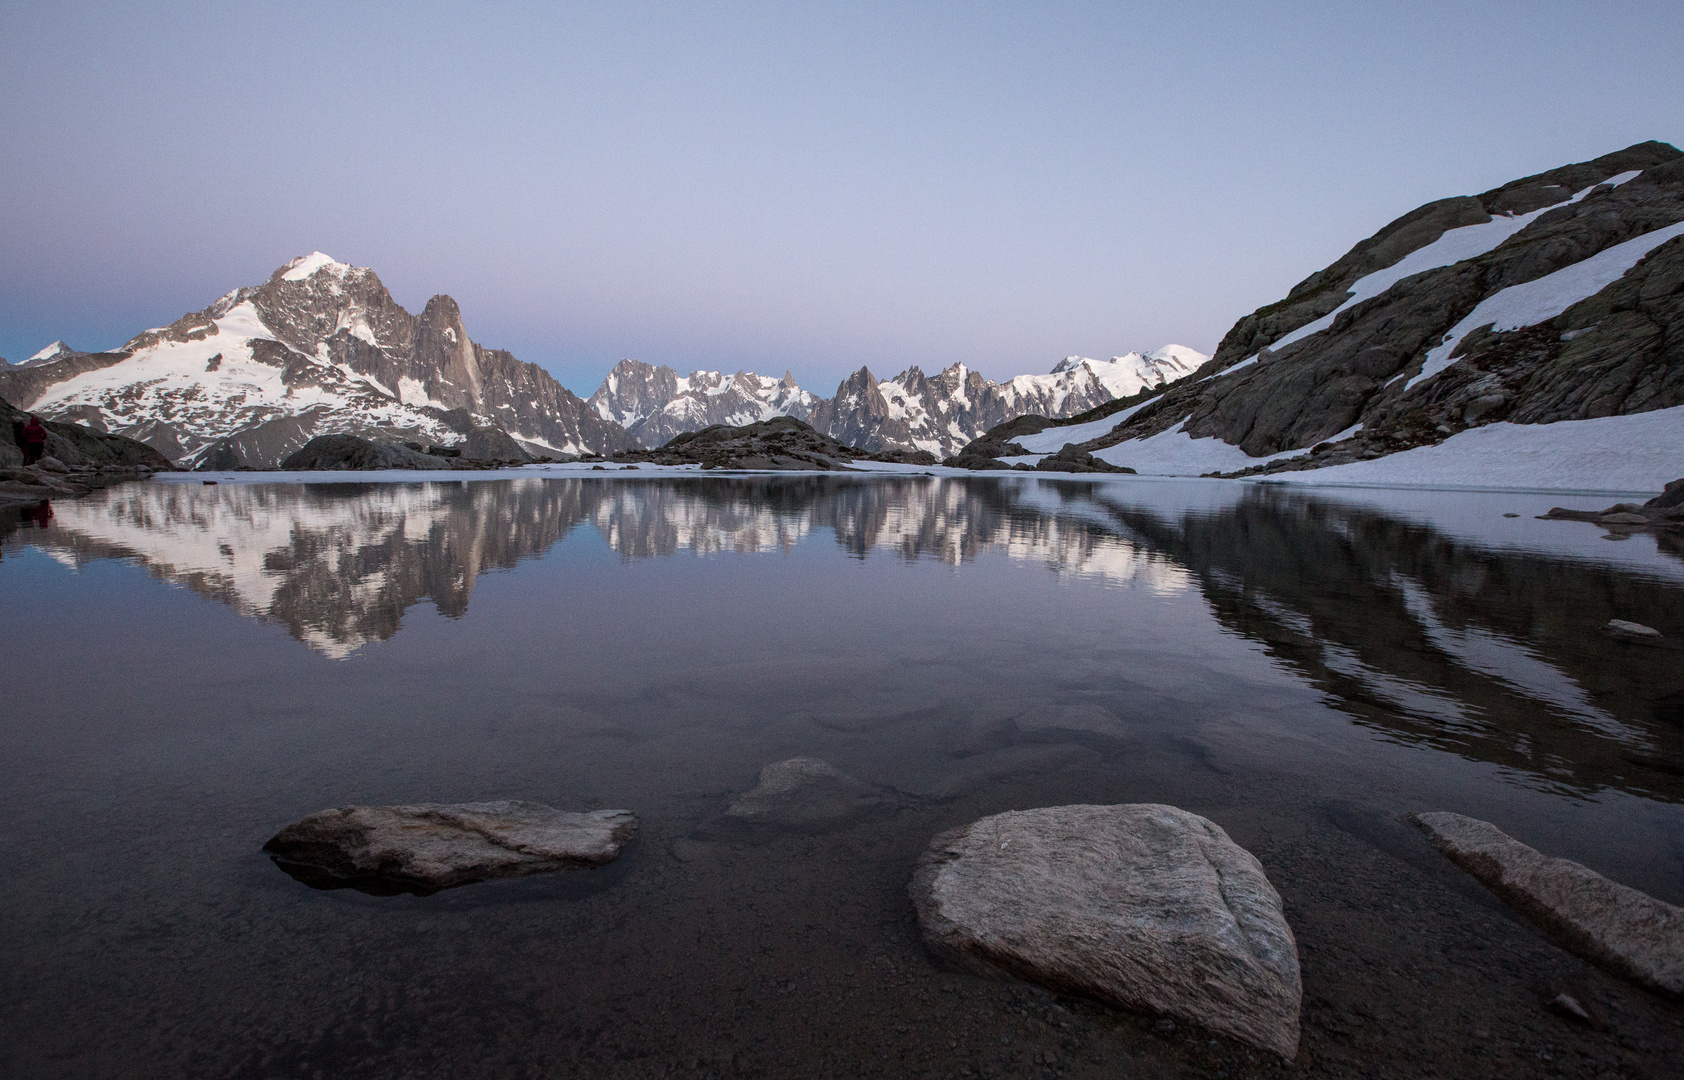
<point x="437" y="845"/>
<point x="1626" y="931"/>
<point x="1146" y="906"/>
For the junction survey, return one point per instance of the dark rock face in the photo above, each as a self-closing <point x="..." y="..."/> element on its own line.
<point x="1616" y="352"/>
<point x="439" y="846"/>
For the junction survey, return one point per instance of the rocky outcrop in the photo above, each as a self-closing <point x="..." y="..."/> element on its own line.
<point x="805" y="793"/>
<point x="1073" y="459"/>
<point x="342" y="452"/>
<point x="782" y="443"/>
<point x="493" y="444"/>
<point x="1664" y="511"/>
<point x="319" y="348"/>
<point x="484" y="448"/>
<point x="1626" y="931"/>
<point x="78" y="460"/>
<point x="440" y="846"/>
<point x="1145" y="906"/>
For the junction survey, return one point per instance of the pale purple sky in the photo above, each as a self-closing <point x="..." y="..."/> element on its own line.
<point x="811" y="187"/>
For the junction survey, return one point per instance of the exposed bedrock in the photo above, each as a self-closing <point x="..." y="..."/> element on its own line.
<point x="437" y="846"/>
<point x="1146" y="906"/>
<point x="1626" y="931"/>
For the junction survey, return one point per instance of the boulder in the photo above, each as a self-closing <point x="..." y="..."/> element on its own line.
<point x="493" y="444"/>
<point x="1145" y="906"/>
<point x="805" y="792"/>
<point x="1626" y="931"/>
<point x="1631" y="631"/>
<point x="438" y="846"/>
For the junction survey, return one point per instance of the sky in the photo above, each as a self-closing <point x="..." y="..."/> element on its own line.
<point x="802" y="187"/>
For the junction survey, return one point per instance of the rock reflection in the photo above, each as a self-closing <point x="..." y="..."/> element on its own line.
<point x="1494" y="654"/>
<point x="339" y="564"/>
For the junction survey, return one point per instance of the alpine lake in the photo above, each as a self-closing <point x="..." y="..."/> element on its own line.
<point x="189" y="668"/>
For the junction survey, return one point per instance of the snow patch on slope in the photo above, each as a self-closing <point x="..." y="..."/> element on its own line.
<point x="1617" y="454"/>
<point x="1176" y="453"/>
<point x="1544" y="298"/>
<point x="1456" y="245"/>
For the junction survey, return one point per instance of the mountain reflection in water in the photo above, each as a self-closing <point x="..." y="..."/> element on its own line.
<point x="1494" y="654"/>
<point x="1497" y="655"/>
<point x="339" y="564"/>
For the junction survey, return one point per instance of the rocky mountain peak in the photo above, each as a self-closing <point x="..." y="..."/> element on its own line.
<point x="350" y="361"/>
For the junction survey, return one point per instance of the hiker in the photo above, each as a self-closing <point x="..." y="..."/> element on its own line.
<point x="34" y="440"/>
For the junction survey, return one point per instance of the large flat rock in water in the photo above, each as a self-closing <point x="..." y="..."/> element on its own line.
<point x="1145" y="906"/>
<point x="1627" y="931"/>
<point x="440" y="845"/>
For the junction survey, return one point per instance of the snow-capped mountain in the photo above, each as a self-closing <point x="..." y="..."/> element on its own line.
<point x="319" y="348"/>
<point x="655" y="403"/>
<point x="912" y="411"/>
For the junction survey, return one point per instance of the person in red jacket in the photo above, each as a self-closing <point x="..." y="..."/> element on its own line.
<point x="34" y="440"/>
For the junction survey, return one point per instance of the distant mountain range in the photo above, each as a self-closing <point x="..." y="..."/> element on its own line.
<point x="938" y="413"/>
<point x="1555" y="297"/>
<point x="322" y="348"/>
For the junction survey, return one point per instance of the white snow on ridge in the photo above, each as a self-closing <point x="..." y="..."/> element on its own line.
<point x="1455" y="245"/>
<point x="1544" y="298"/>
<point x="50" y="352"/>
<point x="309" y="264"/>
<point x="1120" y="376"/>
<point x="1615" y="454"/>
<point x="1052" y="439"/>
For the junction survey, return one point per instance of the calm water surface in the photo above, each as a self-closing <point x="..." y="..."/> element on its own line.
<point x="189" y="668"/>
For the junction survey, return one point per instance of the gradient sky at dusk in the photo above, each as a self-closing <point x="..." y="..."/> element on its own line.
<point x="811" y="187"/>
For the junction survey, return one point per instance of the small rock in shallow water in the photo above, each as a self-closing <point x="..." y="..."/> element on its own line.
<point x="1145" y="906"/>
<point x="1627" y="931"/>
<point x="805" y="792"/>
<point x="437" y="845"/>
<point x="1637" y="631"/>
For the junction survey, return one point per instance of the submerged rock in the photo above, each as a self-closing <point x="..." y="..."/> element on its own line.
<point x="437" y="846"/>
<point x="805" y="792"/>
<point x="1629" y="932"/>
<point x="1631" y="631"/>
<point x="1145" y="906"/>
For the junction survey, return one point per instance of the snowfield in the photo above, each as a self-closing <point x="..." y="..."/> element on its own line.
<point x="1613" y="454"/>
<point x="1541" y="299"/>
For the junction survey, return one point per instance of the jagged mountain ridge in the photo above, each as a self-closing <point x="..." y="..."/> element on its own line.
<point x="319" y="348"/>
<point x="1558" y="296"/>
<point x="912" y="411"/>
<point x="654" y="403"/>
